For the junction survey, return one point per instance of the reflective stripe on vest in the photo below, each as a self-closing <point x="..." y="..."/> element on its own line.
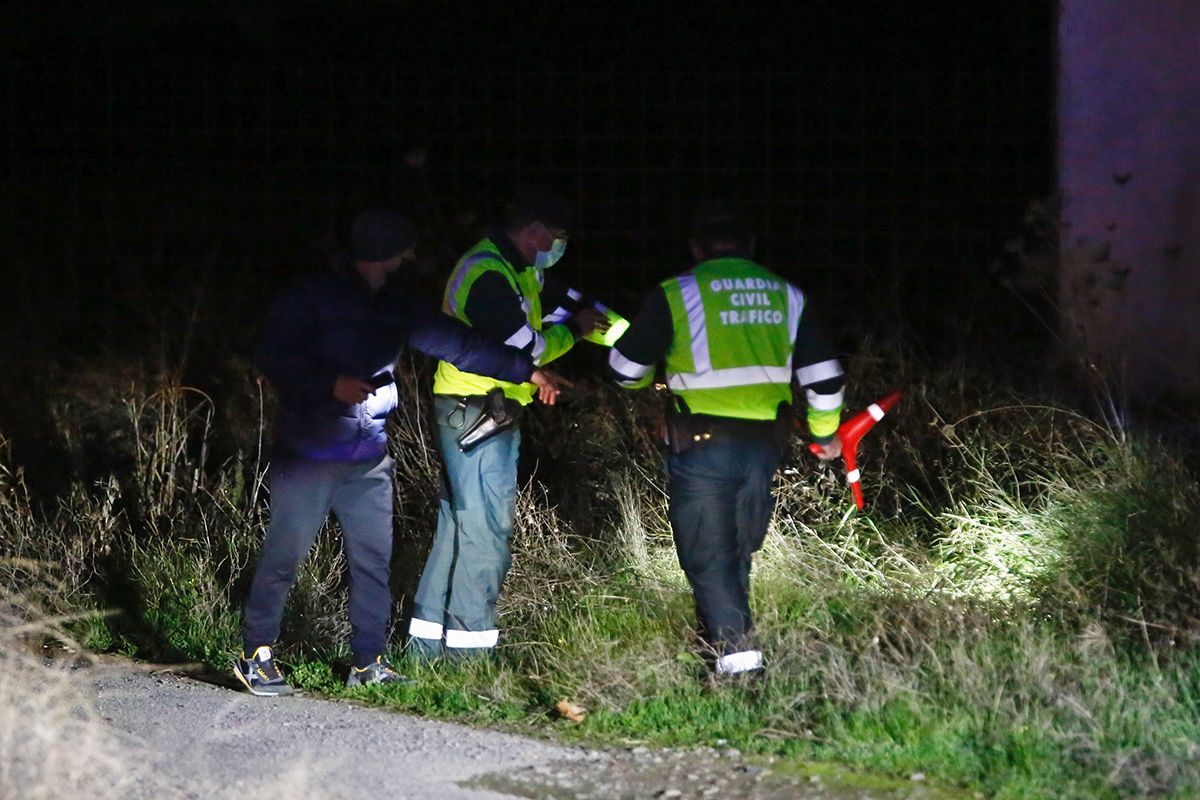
<point x="526" y="286"/>
<point x="703" y="375"/>
<point x="450" y="300"/>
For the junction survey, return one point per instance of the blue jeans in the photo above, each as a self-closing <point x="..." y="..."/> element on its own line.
<point x="720" y="508"/>
<point x="455" y="606"/>
<point x="303" y="491"/>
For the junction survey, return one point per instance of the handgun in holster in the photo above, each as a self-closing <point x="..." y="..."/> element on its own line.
<point x="496" y="415"/>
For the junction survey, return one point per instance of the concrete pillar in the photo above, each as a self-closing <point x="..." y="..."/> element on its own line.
<point x="1129" y="173"/>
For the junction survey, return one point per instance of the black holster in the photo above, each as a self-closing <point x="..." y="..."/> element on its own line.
<point x="497" y="413"/>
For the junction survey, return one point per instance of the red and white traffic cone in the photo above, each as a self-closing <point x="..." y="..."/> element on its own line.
<point x="850" y="433"/>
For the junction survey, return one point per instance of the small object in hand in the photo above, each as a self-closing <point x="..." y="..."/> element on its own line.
<point x="382" y="379"/>
<point x="568" y="710"/>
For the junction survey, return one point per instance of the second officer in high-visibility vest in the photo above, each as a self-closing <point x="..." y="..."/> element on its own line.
<point x="734" y="336"/>
<point x="501" y="289"/>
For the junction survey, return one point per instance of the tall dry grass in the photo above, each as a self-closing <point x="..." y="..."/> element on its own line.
<point x="1016" y="613"/>
<point x="53" y="744"/>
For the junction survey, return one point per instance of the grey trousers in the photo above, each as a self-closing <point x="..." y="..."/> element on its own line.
<point x="303" y="491"/>
<point x="455" y="605"/>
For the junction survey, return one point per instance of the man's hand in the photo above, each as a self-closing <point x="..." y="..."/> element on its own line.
<point x="549" y="385"/>
<point x="589" y="321"/>
<point x="828" y="452"/>
<point x="352" y="391"/>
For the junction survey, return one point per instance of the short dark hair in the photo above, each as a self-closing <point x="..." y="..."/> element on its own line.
<point x="379" y="233"/>
<point x="721" y="225"/>
<point x="533" y="202"/>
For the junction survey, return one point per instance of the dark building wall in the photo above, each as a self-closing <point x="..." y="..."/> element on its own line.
<point x="1129" y="171"/>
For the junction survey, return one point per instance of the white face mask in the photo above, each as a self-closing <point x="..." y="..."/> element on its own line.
<point x="548" y="258"/>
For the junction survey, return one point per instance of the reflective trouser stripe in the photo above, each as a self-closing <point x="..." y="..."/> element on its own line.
<point x="739" y="662"/>
<point x="424" y="629"/>
<point x="464" y="639"/>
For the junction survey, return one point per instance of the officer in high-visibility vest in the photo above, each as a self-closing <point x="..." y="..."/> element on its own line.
<point x="499" y="287"/>
<point x="734" y="335"/>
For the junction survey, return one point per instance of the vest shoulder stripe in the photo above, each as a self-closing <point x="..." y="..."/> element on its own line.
<point x="693" y="306"/>
<point x="795" y="310"/>
<point x="464" y="269"/>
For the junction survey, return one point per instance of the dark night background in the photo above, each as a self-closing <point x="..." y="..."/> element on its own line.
<point x="166" y="166"/>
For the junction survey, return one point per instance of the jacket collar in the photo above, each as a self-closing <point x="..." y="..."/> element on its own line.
<point x="344" y="268"/>
<point x="507" y="249"/>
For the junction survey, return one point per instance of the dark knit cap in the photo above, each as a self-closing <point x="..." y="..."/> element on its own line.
<point x="378" y="234"/>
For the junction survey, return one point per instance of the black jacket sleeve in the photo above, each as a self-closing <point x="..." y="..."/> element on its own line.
<point x="813" y="359"/>
<point x="632" y="359"/>
<point x="436" y="334"/>
<point x="285" y="351"/>
<point x="560" y="302"/>
<point x="493" y="308"/>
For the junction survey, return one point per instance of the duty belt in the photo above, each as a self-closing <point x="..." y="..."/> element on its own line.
<point x="685" y="431"/>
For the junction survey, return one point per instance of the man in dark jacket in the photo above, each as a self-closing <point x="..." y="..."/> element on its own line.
<point x="329" y="348"/>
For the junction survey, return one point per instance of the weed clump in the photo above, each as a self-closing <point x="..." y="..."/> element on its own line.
<point x="52" y="743"/>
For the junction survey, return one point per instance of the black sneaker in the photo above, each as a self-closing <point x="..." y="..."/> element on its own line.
<point x="378" y="671"/>
<point x="260" y="675"/>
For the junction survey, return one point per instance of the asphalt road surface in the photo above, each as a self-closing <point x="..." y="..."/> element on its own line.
<point x="189" y="739"/>
<point x="207" y="741"/>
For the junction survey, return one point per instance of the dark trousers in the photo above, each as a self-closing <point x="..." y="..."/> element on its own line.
<point x="720" y="507"/>
<point x="303" y="491"/>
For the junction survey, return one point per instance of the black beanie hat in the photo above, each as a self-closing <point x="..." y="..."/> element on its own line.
<point x="378" y="234"/>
